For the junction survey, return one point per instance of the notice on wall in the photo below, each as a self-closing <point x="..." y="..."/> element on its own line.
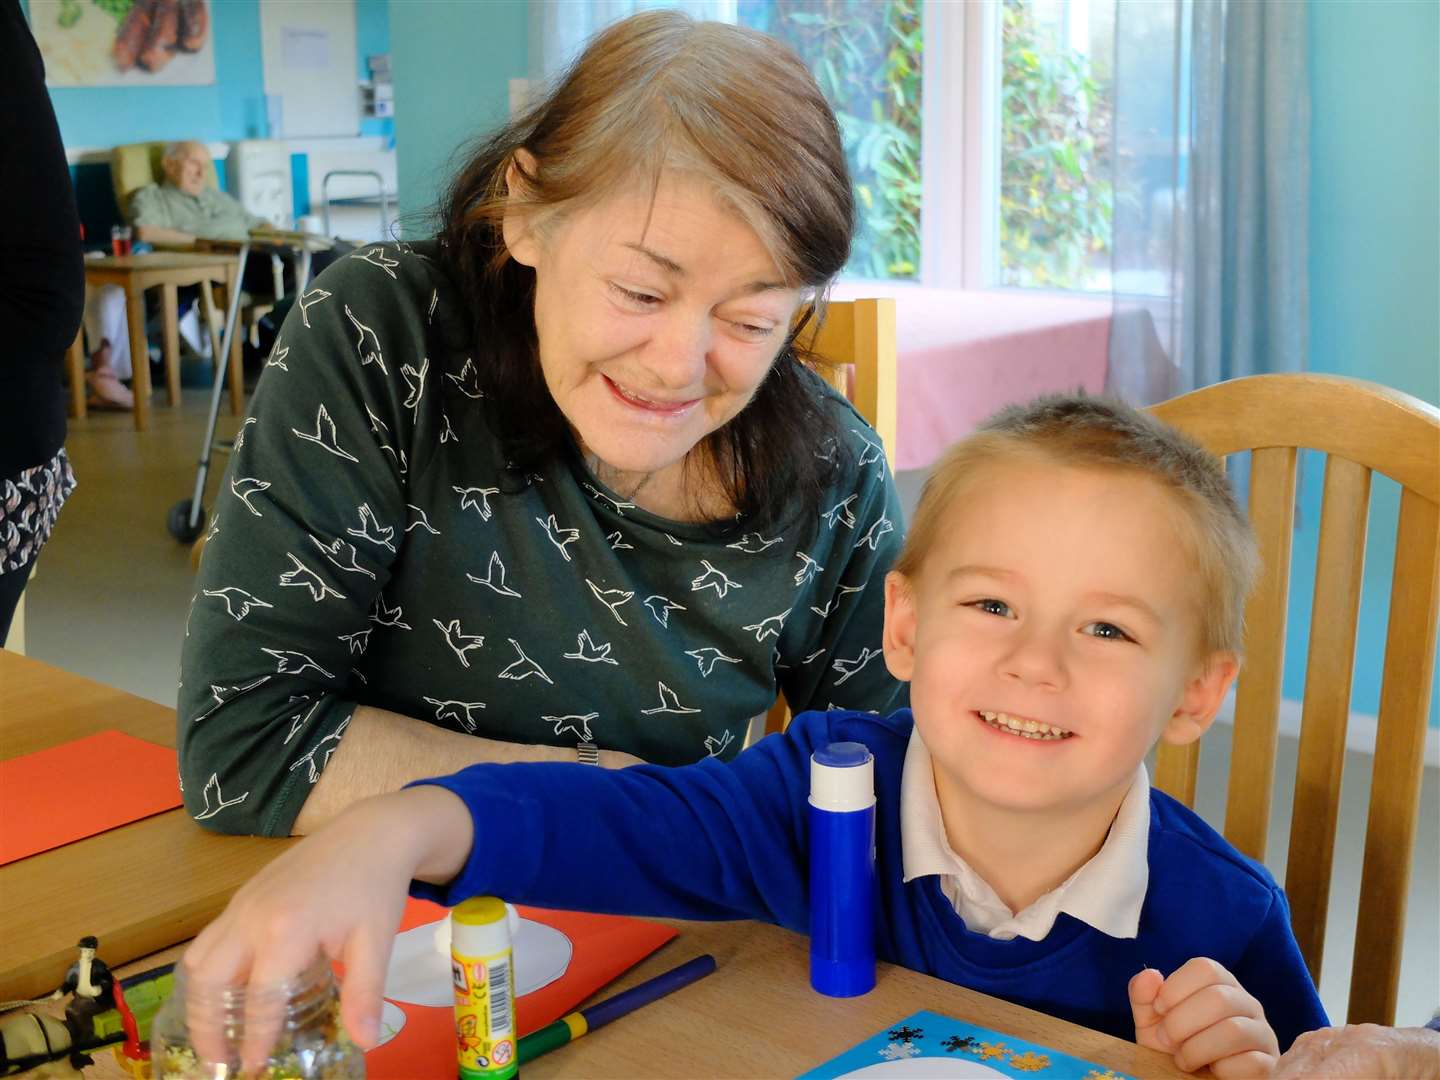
<point x="125" y="42"/>
<point x="304" y="48"/>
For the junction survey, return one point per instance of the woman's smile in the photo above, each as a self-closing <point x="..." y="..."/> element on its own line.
<point x="653" y="406"/>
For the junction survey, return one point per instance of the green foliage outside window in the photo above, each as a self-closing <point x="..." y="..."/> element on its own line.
<point x="1056" y="199"/>
<point x="865" y="55"/>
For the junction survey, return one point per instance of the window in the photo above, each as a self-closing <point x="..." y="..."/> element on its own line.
<point x="978" y="133"/>
<point x="867" y="57"/>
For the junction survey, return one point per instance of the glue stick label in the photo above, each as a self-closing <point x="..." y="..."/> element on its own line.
<point x="484" y="1015"/>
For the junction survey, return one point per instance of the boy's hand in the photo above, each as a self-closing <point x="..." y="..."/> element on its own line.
<point x="1203" y="1016"/>
<point x="339" y="893"/>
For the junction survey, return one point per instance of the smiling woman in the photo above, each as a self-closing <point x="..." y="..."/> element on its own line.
<point x="558" y="482"/>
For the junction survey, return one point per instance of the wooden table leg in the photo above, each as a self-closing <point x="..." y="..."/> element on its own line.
<point x="75" y="363"/>
<point x="139" y="352"/>
<point x="237" y="361"/>
<point x="170" y="314"/>
<point x="212" y="324"/>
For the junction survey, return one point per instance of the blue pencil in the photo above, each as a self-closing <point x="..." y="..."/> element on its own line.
<point x="573" y="1025"/>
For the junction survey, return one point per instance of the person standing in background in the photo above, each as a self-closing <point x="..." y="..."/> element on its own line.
<point x="42" y="296"/>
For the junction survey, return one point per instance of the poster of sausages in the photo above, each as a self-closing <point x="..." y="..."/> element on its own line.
<point x="125" y="42"/>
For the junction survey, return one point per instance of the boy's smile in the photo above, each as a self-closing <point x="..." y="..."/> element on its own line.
<point x="1050" y="638"/>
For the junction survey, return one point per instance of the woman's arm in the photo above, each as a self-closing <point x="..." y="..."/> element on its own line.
<point x="159" y="235"/>
<point x="383" y="751"/>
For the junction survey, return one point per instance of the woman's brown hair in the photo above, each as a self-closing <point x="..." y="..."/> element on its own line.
<point x="655" y="91"/>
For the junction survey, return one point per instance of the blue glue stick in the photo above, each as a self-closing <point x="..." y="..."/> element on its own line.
<point x="842" y="870"/>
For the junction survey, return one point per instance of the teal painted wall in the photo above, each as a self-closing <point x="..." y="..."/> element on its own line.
<point x="452" y="67"/>
<point x="1374" y="264"/>
<point x="233" y="108"/>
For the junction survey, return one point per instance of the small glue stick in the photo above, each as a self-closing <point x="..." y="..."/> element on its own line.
<point x="484" y="978"/>
<point x="842" y="870"/>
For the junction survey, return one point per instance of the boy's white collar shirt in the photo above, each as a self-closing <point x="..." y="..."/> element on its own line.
<point x="1107" y="892"/>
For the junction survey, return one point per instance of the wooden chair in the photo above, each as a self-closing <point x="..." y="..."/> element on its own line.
<point x="855" y="352"/>
<point x="1363" y="428"/>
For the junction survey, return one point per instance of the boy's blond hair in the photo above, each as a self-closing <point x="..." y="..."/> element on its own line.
<point x="1100" y="433"/>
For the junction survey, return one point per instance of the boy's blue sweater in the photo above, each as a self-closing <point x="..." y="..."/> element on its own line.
<point x="729" y="841"/>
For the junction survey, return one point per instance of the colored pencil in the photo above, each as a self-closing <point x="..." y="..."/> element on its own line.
<point x="573" y="1025"/>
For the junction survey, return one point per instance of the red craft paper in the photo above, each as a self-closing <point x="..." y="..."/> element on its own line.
<point x="604" y="946"/>
<point x="56" y="796"/>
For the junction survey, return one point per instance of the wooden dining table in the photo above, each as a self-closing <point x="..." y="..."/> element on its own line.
<point x="169" y="270"/>
<point x="145" y="888"/>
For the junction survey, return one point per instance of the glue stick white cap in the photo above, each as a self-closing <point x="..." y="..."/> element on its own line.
<point x="842" y="777"/>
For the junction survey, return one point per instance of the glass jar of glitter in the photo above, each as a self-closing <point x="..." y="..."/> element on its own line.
<point x="199" y="1032"/>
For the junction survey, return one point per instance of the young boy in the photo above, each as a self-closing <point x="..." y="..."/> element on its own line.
<point x="1071" y="592"/>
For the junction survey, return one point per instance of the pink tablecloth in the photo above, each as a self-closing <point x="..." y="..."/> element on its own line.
<point x="964" y="354"/>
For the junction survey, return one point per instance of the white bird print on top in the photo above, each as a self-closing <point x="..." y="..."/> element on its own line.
<point x="834" y="601"/>
<point x="561" y="538"/>
<point x="359" y="641"/>
<point x="277" y="356"/>
<point x="770" y="627"/>
<point x="714" y="579"/>
<point x="468" y="381"/>
<point x="841" y="513"/>
<point x="387" y="616"/>
<point x="848" y="668"/>
<point x="333" y="741"/>
<point x="708" y="657"/>
<point x="524" y="667"/>
<point x="300" y="719"/>
<point x="421" y="521"/>
<point x="238" y="602"/>
<point x="309" y="300"/>
<point x="872" y="536"/>
<point x="376" y="256"/>
<point x="303" y="577"/>
<point x="612" y="599"/>
<point x="494" y="578"/>
<point x="715" y="747"/>
<point x="588" y="651"/>
<point x="367" y="345"/>
<point x="873" y="451"/>
<point x="661" y="606"/>
<point x="342" y="553"/>
<point x="372" y="530"/>
<point x="753" y="543"/>
<point x="379" y="427"/>
<point x="222" y="694"/>
<point x="808" y="569"/>
<point x="460" y="643"/>
<point x="468" y="500"/>
<point x="617" y="542"/>
<point x="447" y="433"/>
<point x="239" y="443"/>
<point x="415" y="380"/>
<point x="456" y="712"/>
<point x="669" y="703"/>
<point x="324" y="435"/>
<point x="214" y="801"/>
<point x="579" y="726"/>
<point x="289" y="662"/>
<point x="600" y="496"/>
<point x="246" y="486"/>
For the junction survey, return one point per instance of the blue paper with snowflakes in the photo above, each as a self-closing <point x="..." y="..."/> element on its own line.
<point x="934" y="1047"/>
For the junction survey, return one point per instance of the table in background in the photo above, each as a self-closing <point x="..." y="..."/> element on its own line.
<point x="169" y="270"/>
<point x="138" y="888"/>
<point x="964" y="353"/>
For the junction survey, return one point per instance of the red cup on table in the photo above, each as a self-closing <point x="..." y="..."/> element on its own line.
<point x="120" y="240"/>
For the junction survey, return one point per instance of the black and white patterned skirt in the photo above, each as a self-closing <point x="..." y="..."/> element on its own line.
<point x="29" y="505"/>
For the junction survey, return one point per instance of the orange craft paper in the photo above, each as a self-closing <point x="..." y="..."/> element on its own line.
<point x="604" y="946"/>
<point x="56" y="796"/>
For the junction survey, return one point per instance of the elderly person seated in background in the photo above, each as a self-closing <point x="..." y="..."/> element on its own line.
<point x="175" y="213"/>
